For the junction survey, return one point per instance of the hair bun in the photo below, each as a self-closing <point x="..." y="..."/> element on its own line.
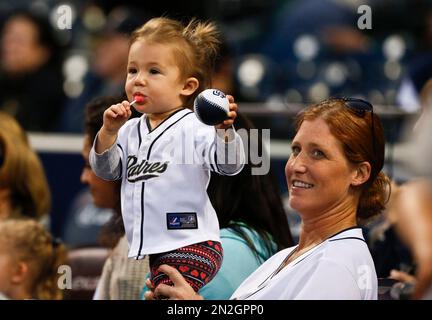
<point x="373" y="199"/>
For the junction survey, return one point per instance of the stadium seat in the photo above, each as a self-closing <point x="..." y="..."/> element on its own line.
<point x="86" y="266"/>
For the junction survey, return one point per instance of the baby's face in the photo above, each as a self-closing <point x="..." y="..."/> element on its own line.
<point x="153" y="74"/>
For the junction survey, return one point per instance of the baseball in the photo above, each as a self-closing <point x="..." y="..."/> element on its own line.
<point x="211" y="107"/>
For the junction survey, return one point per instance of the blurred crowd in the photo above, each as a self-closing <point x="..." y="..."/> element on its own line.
<point x="276" y="55"/>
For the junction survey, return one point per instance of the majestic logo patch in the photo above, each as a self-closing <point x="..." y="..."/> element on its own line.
<point x="182" y="220"/>
<point x="144" y="170"/>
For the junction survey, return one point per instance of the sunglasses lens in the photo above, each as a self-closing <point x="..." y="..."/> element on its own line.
<point x="358" y="106"/>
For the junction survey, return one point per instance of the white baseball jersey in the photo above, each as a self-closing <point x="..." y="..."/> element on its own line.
<point x="339" y="268"/>
<point x="165" y="173"/>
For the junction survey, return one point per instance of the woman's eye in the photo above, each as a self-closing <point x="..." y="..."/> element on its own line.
<point x="318" y="154"/>
<point x="295" y="150"/>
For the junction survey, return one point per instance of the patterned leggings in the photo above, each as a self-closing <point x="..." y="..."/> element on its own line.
<point x="198" y="263"/>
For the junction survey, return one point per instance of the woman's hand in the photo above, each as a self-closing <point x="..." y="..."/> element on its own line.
<point x="180" y="291"/>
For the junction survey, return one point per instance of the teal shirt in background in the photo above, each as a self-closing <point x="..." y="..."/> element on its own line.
<point x="238" y="263"/>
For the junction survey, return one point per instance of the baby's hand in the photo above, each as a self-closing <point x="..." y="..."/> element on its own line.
<point x="232" y="114"/>
<point x="116" y="116"/>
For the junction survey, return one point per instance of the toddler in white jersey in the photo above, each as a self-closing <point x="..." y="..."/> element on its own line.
<point x="164" y="157"/>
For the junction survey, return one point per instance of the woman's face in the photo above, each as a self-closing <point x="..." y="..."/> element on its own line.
<point x="318" y="174"/>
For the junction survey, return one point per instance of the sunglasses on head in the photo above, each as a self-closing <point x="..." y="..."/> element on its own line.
<point x="360" y="107"/>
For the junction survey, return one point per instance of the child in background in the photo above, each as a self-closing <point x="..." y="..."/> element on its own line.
<point x="29" y="261"/>
<point x="166" y="210"/>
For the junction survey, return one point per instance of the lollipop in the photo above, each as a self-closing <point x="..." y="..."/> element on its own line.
<point x="137" y="98"/>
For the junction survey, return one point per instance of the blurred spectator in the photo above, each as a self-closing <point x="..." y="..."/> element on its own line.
<point x="333" y="22"/>
<point x="419" y="68"/>
<point x="29" y="261"/>
<point x="24" y="190"/>
<point x="413" y="205"/>
<point x="387" y="250"/>
<point x="31" y="81"/>
<point x="108" y="65"/>
<point x="122" y="278"/>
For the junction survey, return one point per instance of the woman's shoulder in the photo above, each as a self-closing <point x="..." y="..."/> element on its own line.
<point x="348" y="249"/>
<point x="346" y="240"/>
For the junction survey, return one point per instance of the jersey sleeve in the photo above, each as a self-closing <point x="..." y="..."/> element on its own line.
<point x="108" y="164"/>
<point x="225" y="153"/>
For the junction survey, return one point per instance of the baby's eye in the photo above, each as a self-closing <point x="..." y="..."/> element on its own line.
<point x="132" y="70"/>
<point x="154" y="71"/>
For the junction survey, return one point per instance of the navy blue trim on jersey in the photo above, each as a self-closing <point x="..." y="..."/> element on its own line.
<point x="166" y="129"/>
<point x="121" y="162"/>
<point x="139" y="134"/>
<point x="250" y="294"/>
<point x="339" y="232"/>
<point x="149" y="125"/>
<point x="142" y="221"/>
<point x="356" y="238"/>
<point x="209" y="158"/>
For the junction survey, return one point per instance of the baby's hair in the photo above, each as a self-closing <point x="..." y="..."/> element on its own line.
<point x="31" y="243"/>
<point x="195" y="47"/>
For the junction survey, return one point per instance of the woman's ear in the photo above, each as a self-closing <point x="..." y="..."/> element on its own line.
<point x="361" y="174"/>
<point x="190" y="86"/>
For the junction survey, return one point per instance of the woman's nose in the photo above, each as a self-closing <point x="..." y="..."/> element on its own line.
<point x="297" y="163"/>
